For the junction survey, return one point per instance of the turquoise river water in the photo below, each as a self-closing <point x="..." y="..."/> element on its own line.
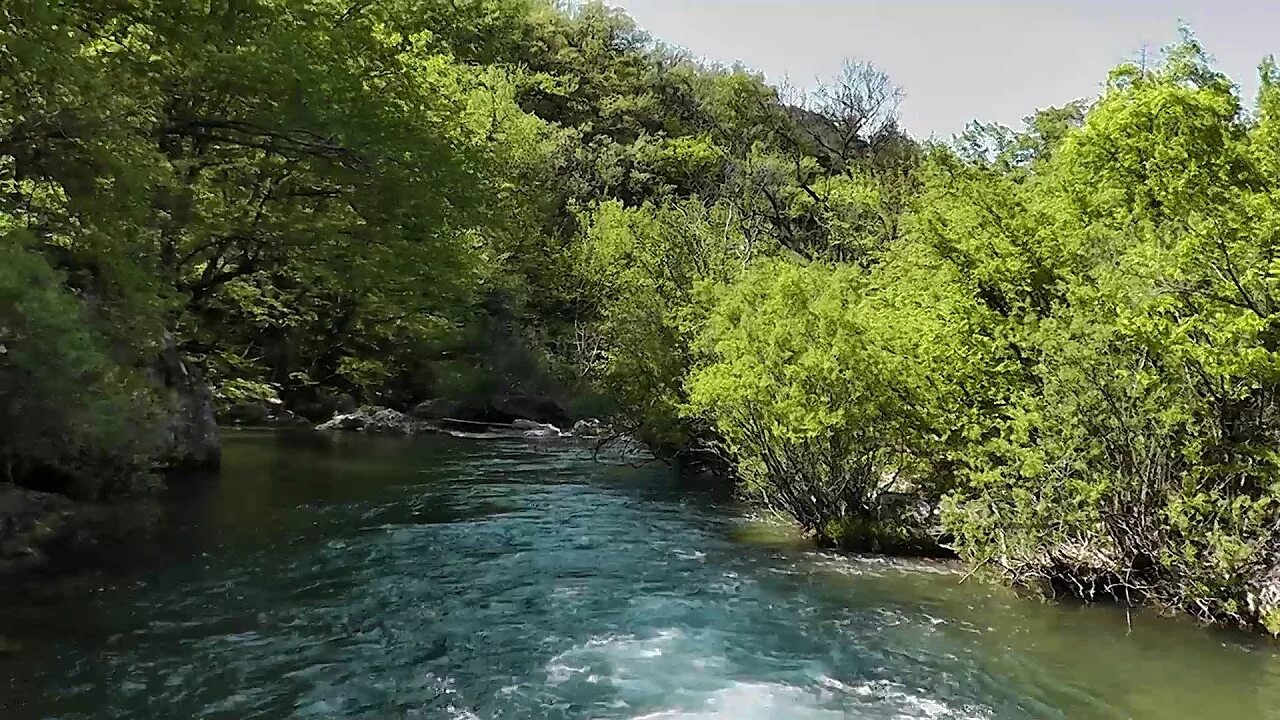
<point x="359" y="577"/>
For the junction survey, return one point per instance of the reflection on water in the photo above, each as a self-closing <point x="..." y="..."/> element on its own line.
<point x="355" y="577"/>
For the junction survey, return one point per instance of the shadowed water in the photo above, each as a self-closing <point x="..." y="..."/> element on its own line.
<point x="357" y="577"/>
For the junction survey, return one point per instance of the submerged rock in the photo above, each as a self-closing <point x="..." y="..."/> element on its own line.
<point x="30" y="520"/>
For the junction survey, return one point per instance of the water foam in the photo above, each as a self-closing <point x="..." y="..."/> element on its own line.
<point x="754" y="701"/>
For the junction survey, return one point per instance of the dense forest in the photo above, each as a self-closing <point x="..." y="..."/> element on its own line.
<point x="1064" y="336"/>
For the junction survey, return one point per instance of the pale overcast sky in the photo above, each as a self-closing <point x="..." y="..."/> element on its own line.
<point x="995" y="60"/>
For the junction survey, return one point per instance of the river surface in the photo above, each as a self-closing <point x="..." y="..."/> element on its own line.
<point x="356" y="577"/>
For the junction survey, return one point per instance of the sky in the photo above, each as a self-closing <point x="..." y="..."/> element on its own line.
<point x="992" y="60"/>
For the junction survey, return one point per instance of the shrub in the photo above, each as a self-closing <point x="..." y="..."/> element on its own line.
<point x="818" y="412"/>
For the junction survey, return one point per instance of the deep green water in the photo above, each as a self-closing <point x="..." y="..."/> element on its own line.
<point x="443" y="578"/>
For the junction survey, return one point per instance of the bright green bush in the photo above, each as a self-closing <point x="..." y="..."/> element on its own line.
<point x="652" y="271"/>
<point x="1128" y="444"/>
<point x="809" y="398"/>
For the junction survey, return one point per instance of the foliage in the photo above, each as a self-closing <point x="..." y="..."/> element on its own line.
<point x="1065" y="335"/>
<point x="818" y="412"/>
<point x="61" y="391"/>
<point x="652" y="269"/>
<point x="1129" y="445"/>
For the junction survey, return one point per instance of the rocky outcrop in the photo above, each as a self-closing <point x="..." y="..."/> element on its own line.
<point x="188" y="434"/>
<point x="55" y="510"/>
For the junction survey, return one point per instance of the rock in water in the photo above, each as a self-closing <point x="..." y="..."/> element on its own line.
<point x="535" y="429"/>
<point x="588" y="429"/>
<point x="349" y="421"/>
<point x="188" y="436"/>
<point x="1265" y="600"/>
<point x="386" y="420"/>
<point x="373" y="419"/>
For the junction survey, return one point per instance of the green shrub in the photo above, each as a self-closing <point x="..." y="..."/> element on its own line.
<point x="1128" y="439"/>
<point x="818" y="413"/>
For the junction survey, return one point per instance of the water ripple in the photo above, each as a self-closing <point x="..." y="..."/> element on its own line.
<point x="466" y="580"/>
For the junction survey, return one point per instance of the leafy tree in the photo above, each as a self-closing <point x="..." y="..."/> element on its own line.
<point x="1132" y="450"/>
<point x="652" y="269"/>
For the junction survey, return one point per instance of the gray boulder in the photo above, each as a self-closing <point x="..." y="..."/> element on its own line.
<point x="374" y="420"/>
<point x="386" y="420"/>
<point x="589" y="429"/>
<point x="188" y="435"/>
<point x="534" y="429"/>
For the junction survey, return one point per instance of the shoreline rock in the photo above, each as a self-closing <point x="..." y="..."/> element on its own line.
<point x="534" y="429"/>
<point x="265" y="413"/>
<point x="188" y="437"/>
<point x="374" y="420"/>
<point x="387" y="421"/>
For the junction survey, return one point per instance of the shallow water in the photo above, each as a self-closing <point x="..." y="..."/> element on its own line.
<point x="360" y="577"/>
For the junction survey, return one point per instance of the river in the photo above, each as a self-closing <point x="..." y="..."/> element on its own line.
<point x="362" y="577"/>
